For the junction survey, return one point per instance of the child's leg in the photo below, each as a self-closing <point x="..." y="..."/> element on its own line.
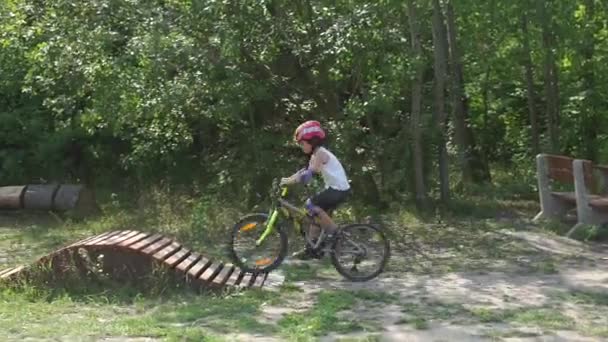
<point x="324" y="220"/>
<point x="320" y="206"/>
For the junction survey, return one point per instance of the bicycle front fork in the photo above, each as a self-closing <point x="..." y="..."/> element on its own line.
<point x="269" y="227"/>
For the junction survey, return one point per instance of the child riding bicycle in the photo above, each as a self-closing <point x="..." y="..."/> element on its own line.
<point x="311" y="137"/>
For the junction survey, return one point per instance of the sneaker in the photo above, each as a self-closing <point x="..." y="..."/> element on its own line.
<point x="306" y="254"/>
<point x="329" y="239"/>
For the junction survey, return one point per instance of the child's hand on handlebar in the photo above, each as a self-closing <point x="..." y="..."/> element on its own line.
<point x="286" y="181"/>
<point x="291" y="179"/>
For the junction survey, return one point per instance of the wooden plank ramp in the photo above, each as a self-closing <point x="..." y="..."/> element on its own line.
<point x="162" y="250"/>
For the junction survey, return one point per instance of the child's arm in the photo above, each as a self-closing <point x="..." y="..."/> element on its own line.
<point x="317" y="161"/>
<point x="305" y="175"/>
<point x="292" y="179"/>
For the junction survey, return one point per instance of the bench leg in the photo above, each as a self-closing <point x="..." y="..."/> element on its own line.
<point x="550" y="207"/>
<point x="539" y="216"/>
<point x="573" y="229"/>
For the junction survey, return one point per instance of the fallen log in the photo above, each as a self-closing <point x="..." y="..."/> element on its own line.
<point x="11" y="197"/>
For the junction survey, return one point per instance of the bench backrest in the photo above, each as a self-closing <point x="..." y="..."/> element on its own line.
<point x="559" y="168"/>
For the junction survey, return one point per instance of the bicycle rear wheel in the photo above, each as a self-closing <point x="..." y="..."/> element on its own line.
<point x="257" y="259"/>
<point x="360" y="252"/>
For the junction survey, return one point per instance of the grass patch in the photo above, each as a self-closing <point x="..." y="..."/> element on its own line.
<point x="299" y="272"/>
<point x="487" y="315"/>
<point x="547" y="318"/>
<point x="376" y="296"/>
<point x="223" y="314"/>
<point x="321" y="319"/>
<point x="546" y="267"/>
<point x="420" y="323"/>
<point x="431" y="310"/>
<point x="289" y="288"/>
<point x="368" y="338"/>
<point x="543" y="317"/>
<point x="584" y="297"/>
<point x="33" y="313"/>
<point x="499" y="335"/>
<point x="600" y="331"/>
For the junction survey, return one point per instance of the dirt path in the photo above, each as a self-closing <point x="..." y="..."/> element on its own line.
<point x="568" y="303"/>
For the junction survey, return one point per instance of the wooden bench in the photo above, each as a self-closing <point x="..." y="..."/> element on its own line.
<point x="591" y="206"/>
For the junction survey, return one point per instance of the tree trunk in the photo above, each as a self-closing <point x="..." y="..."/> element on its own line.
<point x="421" y="195"/>
<point x="550" y="75"/>
<point x="590" y="117"/>
<point x="440" y="68"/>
<point x="529" y="71"/>
<point x="488" y="50"/>
<point x="474" y="168"/>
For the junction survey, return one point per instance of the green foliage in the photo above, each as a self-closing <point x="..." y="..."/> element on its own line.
<point x="208" y="93"/>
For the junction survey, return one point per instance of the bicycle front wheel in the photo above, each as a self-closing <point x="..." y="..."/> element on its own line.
<point x="360" y="252"/>
<point x="250" y="257"/>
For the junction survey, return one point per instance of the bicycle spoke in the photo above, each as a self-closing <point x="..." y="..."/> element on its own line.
<point x="246" y="253"/>
<point x="361" y="252"/>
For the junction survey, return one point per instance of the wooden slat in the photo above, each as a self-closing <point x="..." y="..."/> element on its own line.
<point x="116" y="238"/>
<point x="46" y="258"/>
<point x="560" y="169"/>
<point x="90" y="238"/>
<point x="222" y="278"/>
<point x="100" y="239"/>
<point x="79" y="242"/>
<point x="13" y="272"/>
<point x="167" y="251"/>
<point x="566" y="196"/>
<point x="600" y="167"/>
<point x="235" y="277"/>
<point x="145" y="242"/>
<point x="598" y="202"/>
<point x="259" y="280"/>
<point x="273" y="280"/>
<point x="201" y="266"/>
<point x="247" y="278"/>
<point x="6" y="271"/>
<point x="185" y="265"/>
<point x="178" y="257"/>
<point x="129" y="236"/>
<point x="157" y="246"/>
<point x="133" y="240"/>
<point x="211" y="272"/>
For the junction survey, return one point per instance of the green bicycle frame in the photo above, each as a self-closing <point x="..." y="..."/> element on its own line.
<point x="273" y="219"/>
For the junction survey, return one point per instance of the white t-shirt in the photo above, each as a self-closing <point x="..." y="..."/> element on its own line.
<point x="332" y="171"/>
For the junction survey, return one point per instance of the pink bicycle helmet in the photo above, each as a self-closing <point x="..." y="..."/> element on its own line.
<point x="308" y="130"/>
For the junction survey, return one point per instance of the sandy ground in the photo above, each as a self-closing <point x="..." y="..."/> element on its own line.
<point x="583" y="270"/>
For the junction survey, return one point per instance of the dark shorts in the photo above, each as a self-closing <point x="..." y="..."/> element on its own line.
<point x="329" y="199"/>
